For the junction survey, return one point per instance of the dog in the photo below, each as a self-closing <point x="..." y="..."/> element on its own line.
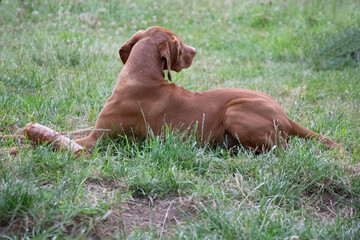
<point x="144" y="100"/>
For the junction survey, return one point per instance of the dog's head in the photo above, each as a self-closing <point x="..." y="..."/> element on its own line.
<point x="172" y="50"/>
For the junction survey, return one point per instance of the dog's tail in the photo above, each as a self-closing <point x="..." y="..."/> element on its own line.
<point x="300" y="131"/>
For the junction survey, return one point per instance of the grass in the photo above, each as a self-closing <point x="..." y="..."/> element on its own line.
<point x="59" y="62"/>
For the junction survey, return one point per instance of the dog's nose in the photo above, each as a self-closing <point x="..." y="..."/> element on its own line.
<point x="193" y="50"/>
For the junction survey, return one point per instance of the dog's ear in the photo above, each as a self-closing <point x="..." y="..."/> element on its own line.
<point x="125" y="49"/>
<point x="164" y="51"/>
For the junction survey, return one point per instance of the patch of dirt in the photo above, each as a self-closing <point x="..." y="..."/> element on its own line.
<point x="327" y="207"/>
<point x="145" y="214"/>
<point x="354" y="169"/>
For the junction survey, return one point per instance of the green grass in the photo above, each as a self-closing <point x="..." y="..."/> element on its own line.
<point x="59" y="63"/>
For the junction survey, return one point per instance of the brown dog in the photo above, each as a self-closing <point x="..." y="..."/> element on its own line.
<point x="143" y="97"/>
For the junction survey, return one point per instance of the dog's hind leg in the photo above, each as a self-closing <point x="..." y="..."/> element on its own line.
<point x="256" y="124"/>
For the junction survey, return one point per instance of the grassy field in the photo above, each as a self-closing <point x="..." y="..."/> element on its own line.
<point x="59" y="63"/>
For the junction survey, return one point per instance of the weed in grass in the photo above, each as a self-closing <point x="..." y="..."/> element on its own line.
<point x="264" y="221"/>
<point x="340" y="50"/>
<point x="161" y="164"/>
<point x="17" y="201"/>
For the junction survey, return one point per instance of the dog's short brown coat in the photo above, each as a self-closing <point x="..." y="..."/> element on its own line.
<point x="143" y="97"/>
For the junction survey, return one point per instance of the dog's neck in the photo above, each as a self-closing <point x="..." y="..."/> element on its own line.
<point x="144" y="64"/>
